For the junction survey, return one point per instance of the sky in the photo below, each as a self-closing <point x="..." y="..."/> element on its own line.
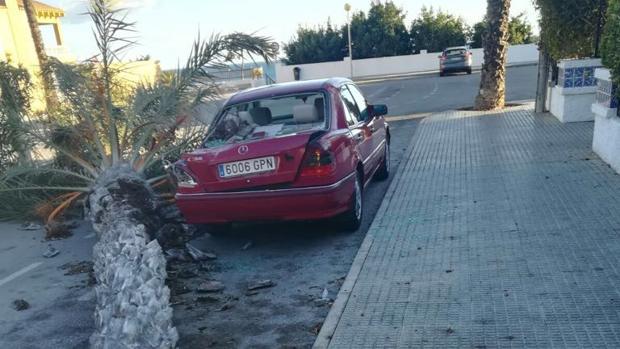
<point x="167" y="28"/>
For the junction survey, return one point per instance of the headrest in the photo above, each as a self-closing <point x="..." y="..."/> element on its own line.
<point x="245" y="116"/>
<point x="319" y="104"/>
<point x="261" y="115"/>
<point x="305" y="114"/>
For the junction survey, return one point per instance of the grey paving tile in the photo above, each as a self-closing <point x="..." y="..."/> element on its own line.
<point x="502" y="231"/>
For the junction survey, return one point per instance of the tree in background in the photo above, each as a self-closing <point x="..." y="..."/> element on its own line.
<point x="568" y="28"/>
<point x="611" y="43"/>
<point x="46" y="76"/>
<point x="495" y="39"/>
<point x="323" y="44"/>
<point x="381" y="33"/>
<point x="519" y="32"/>
<point x="434" y="31"/>
<point x="15" y="90"/>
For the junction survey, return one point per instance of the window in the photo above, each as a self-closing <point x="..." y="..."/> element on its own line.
<point x="352" y="113"/>
<point x="360" y="101"/>
<point x="269" y="117"/>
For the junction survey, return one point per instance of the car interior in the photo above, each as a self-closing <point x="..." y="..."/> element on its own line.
<point x="268" y="118"/>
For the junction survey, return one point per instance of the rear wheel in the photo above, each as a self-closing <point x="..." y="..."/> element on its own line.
<point x="352" y="219"/>
<point x="384" y="169"/>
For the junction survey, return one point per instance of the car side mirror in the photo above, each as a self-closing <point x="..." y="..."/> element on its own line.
<point x="379" y="109"/>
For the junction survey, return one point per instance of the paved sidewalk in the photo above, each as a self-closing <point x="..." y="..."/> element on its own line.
<point x="500" y="230"/>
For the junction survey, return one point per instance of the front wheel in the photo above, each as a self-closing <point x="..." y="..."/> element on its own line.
<point x="352" y="219"/>
<point x="384" y="169"/>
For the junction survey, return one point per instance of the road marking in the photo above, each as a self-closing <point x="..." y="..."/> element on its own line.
<point x="19" y="273"/>
<point x="432" y="92"/>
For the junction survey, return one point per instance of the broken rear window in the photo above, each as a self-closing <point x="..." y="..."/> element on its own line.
<point x="269" y="117"/>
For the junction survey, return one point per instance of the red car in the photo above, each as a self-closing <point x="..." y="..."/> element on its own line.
<point x="296" y="151"/>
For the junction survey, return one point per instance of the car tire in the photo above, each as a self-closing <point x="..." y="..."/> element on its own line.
<point x="442" y="73"/>
<point x="469" y="71"/>
<point x="352" y="218"/>
<point x="384" y="169"/>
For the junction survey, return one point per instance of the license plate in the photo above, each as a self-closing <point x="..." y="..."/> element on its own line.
<point x="244" y="167"/>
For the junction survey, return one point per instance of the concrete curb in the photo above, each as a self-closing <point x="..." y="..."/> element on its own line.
<point x="373" y="79"/>
<point x="335" y="313"/>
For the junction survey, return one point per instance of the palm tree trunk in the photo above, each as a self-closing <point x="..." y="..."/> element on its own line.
<point x="48" y="81"/>
<point x="133" y="302"/>
<point x="495" y="43"/>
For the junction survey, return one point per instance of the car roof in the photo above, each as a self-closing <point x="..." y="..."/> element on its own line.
<point x="456" y="48"/>
<point x="282" y="89"/>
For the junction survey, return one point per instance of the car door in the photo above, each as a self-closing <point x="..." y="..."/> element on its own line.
<point x="360" y="131"/>
<point x="375" y="127"/>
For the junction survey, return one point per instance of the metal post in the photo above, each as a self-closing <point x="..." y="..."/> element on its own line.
<point x="347" y="8"/>
<point x="543" y="80"/>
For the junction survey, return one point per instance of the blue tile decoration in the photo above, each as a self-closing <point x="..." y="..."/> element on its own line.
<point x="588" y="77"/>
<point x="577" y="77"/>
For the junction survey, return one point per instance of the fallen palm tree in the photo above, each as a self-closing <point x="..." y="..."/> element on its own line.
<point x="109" y="139"/>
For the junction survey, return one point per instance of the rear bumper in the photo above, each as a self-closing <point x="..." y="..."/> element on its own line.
<point x="268" y="205"/>
<point x="460" y="66"/>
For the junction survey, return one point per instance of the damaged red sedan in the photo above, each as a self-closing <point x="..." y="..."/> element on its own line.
<point x="294" y="151"/>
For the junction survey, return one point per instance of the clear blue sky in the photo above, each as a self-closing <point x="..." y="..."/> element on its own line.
<point x="166" y="28"/>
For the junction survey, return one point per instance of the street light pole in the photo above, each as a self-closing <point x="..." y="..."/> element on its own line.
<point x="347" y="7"/>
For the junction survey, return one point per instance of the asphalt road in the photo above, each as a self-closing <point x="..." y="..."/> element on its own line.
<point x="432" y="93"/>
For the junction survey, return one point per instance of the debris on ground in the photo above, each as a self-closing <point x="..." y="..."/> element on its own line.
<point x="30" y="226"/>
<point x="20" y="304"/>
<point x="261" y="284"/>
<point x="325" y="294"/>
<point x="57" y="230"/>
<point x="50" y="252"/>
<point x="170" y="235"/>
<point x="197" y="254"/>
<point x="225" y="307"/>
<point x="449" y="330"/>
<point x="247" y="246"/>
<point x="210" y="286"/>
<point x="73" y="268"/>
<point x="178" y="254"/>
<point x="316" y="328"/>
<point x="207" y="299"/>
<point x="251" y="293"/>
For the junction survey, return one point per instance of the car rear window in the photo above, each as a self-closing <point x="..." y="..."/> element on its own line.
<point x="269" y="117"/>
<point x="455" y="52"/>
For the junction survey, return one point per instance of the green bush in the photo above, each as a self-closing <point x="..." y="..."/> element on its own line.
<point x="568" y="27"/>
<point x="611" y="42"/>
<point x="15" y="95"/>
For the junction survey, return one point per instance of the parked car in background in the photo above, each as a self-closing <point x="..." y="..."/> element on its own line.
<point x="295" y="151"/>
<point x="455" y="59"/>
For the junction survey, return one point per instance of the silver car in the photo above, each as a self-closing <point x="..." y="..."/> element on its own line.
<point x="455" y="59"/>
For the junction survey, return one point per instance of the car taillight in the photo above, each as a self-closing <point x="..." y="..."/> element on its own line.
<point x="183" y="178"/>
<point x="318" y="162"/>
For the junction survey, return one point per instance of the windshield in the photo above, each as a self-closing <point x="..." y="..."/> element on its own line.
<point x="270" y="117"/>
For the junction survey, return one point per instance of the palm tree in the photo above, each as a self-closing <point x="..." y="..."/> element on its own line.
<point x="110" y="139"/>
<point x="495" y="43"/>
<point x="39" y="47"/>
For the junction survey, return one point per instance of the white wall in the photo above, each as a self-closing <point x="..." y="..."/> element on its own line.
<point x="424" y="62"/>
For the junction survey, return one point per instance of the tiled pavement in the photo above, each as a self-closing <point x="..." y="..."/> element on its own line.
<point x="500" y="230"/>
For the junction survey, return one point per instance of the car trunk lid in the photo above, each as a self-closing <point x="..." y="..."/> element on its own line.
<point x="224" y="168"/>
